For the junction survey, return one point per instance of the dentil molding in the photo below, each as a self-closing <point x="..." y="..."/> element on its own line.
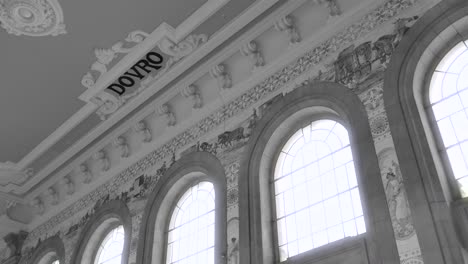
<point x="32" y="17"/>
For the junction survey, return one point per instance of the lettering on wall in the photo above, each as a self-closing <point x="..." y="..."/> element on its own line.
<point x="151" y="62"/>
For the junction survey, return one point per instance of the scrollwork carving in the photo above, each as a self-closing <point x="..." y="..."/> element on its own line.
<point x="103" y="161"/>
<point x="39" y="205"/>
<point x="69" y="185"/>
<point x="121" y="144"/>
<point x="287" y="25"/>
<point x="143" y="131"/>
<point x="85" y="174"/>
<point x="192" y="92"/>
<point x="332" y="6"/>
<point x="252" y="51"/>
<point x="165" y="111"/>
<point x="105" y="56"/>
<point x="54" y="198"/>
<point x="221" y="75"/>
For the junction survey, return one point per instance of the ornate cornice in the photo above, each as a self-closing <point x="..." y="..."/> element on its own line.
<point x="32" y="17"/>
<point x="273" y="83"/>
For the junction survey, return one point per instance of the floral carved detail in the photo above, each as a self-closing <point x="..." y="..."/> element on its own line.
<point x="106" y="56"/>
<point x="287" y="25"/>
<point x="192" y="92"/>
<point x="223" y="78"/>
<point x="252" y="51"/>
<point x="32" y="18"/>
<point x="382" y="14"/>
<point x="232" y="196"/>
<point x="143" y="131"/>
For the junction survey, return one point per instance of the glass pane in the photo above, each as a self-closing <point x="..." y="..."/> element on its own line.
<point x="316" y="194"/>
<point x="192" y="241"/>
<point x="449" y="100"/>
<point x="110" y="250"/>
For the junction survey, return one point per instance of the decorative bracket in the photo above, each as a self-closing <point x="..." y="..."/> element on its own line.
<point x="69" y="185"/>
<point x="192" y="92"/>
<point x="252" y="51"/>
<point x="121" y="144"/>
<point x="222" y="76"/>
<point x="102" y="160"/>
<point x="39" y="205"/>
<point x="53" y="196"/>
<point x="332" y="6"/>
<point x="85" y="174"/>
<point x="143" y="131"/>
<point x="286" y="24"/>
<point x="165" y="111"/>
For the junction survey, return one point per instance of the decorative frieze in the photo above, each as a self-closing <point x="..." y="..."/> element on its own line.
<point x="251" y="50"/>
<point x="276" y="81"/>
<point x="193" y="94"/>
<point x="68" y="185"/>
<point x="102" y="160"/>
<point x="165" y="111"/>
<point x="287" y="25"/>
<point x="143" y="131"/>
<point x="121" y="145"/>
<point x="85" y="174"/>
<point x="32" y="18"/>
<point x="221" y="75"/>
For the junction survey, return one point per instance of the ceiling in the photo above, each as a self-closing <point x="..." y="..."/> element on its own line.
<point x="41" y="76"/>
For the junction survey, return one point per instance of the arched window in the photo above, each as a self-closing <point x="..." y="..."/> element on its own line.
<point x="111" y="248"/>
<point x="448" y="96"/>
<point x="192" y="227"/>
<point x="316" y="190"/>
<point x="49" y="251"/>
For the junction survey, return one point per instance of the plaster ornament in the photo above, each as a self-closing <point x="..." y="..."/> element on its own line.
<point x="251" y="50"/>
<point x="39" y="205"/>
<point x="185" y="47"/>
<point x="192" y="92"/>
<point x="143" y="131"/>
<point x="53" y="195"/>
<point x="222" y="76"/>
<point x="85" y="174"/>
<point x="32" y="18"/>
<point x="332" y="6"/>
<point x="286" y="24"/>
<point x="103" y="161"/>
<point x="312" y="58"/>
<point x="165" y="111"/>
<point x="105" y="56"/>
<point x="121" y="144"/>
<point x="69" y="185"/>
<point x="107" y="103"/>
<point x="12" y="173"/>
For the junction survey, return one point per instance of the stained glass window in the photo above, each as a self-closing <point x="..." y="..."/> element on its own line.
<point x="316" y="191"/>
<point x="192" y="228"/>
<point x="449" y="101"/>
<point x="110" y="250"/>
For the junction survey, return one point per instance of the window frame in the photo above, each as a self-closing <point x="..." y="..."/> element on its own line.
<point x="106" y="218"/>
<point x="335" y="244"/>
<point x="49" y="250"/>
<point x="190" y="169"/>
<point x="317" y="100"/>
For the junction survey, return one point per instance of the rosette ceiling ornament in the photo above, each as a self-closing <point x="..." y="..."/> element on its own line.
<point x="32" y="17"/>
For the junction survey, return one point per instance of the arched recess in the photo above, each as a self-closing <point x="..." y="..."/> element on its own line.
<point x="189" y="169"/>
<point x="106" y="218"/>
<point x="48" y="251"/>
<point x="406" y="101"/>
<point x="283" y="117"/>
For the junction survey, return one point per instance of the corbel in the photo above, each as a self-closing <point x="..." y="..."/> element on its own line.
<point x="287" y="25"/>
<point x="102" y="160"/>
<point x="143" y="131"/>
<point x="193" y="94"/>
<point x="165" y="111"/>
<point x="221" y="75"/>
<point x="251" y="50"/>
<point x="121" y="144"/>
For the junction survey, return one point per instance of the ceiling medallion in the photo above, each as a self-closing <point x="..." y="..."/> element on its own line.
<point x="32" y="17"/>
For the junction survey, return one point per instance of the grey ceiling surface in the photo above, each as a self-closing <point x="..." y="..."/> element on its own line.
<point x="40" y="76"/>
